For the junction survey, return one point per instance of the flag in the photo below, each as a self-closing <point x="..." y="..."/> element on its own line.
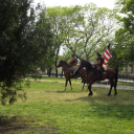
<point x="107" y="55"/>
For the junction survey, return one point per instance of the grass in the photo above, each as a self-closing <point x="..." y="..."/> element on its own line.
<point x="125" y="83"/>
<point x="49" y="110"/>
<point x="79" y="80"/>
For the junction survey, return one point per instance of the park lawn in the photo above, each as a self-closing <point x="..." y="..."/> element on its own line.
<point x="49" y="110"/>
<point x="78" y="80"/>
<point x="126" y="84"/>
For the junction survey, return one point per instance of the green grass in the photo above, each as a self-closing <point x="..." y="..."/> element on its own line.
<point x="125" y="84"/>
<point x="79" y="80"/>
<point x="49" y="110"/>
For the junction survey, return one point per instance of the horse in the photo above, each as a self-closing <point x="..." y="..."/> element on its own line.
<point x="66" y="70"/>
<point x="111" y="74"/>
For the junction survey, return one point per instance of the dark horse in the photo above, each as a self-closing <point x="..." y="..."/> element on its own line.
<point x="66" y="70"/>
<point x="111" y="74"/>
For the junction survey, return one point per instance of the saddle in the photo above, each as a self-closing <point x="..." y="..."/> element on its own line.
<point x="99" y="74"/>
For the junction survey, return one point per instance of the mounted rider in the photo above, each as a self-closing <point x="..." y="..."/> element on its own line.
<point x="99" y="65"/>
<point x="72" y="62"/>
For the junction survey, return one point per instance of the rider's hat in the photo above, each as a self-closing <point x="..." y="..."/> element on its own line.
<point x="72" y="55"/>
<point x="98" y="54"/>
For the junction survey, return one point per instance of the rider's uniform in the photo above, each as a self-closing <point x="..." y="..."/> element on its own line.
<point x="72" y="62"/>
<point x="99" y="66"/>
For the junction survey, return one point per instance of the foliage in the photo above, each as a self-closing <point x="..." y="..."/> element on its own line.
<point x="44" y="37"/>
<point x="116" y="61"/>
<point x="85" y="29"/>
<point x="54" y="15"/>
<point x="13" y="43"/>
<point x="124" y="36"/>
<point x="21" y="49"/>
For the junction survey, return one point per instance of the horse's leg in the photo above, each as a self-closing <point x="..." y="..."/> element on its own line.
<point x="66" y="84"/>
<point x="115" y="91"/>
<point x="87" y="88"/>
<point x="115" y="83"/>
<point x="90" y="81"/>
<point x="83" y="86"/>
<point x="70" y="84"/>
<point x="111" y="85"/>
<point x="90" y="91"/>
<point x="83" y="80"/>
<point x="87" y="81"/>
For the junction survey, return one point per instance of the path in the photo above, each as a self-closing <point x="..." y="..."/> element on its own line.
<point x="118" y="86"/>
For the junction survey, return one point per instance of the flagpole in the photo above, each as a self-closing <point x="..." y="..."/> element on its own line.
<point x="109" y="46"/>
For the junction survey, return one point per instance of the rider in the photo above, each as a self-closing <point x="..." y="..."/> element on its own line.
<point x="72" y="62"/>
<point x="99" y="65"/>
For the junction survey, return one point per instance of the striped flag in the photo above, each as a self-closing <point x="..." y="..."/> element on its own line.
<point x="107" y="55"/>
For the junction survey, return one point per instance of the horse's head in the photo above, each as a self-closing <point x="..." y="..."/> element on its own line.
<point x="82" y="63"/>
<point x="60" y="64"/>
<point x="85" y="64"/>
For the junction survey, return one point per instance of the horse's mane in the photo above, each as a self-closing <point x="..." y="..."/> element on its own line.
<point x="65" y="62"/>
<point x="88" y="64"/>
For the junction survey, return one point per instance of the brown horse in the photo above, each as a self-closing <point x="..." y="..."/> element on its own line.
<point x="111" y="74"/>
<point x="66" y="70"/>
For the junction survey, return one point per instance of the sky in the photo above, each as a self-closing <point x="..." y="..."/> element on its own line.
<point x="100" y="3"/>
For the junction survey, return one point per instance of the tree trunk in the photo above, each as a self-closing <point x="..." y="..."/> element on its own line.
<point x="49" y="72"/>
<point x="56" y="60"/>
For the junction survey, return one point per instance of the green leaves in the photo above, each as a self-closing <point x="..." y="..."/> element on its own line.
<point x="23" y="44"/>
<point x="124" y="36"/>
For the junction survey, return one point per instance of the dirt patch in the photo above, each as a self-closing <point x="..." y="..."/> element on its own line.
<point x="18" y="124"/>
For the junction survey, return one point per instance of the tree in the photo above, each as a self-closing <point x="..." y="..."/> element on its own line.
<point x="88" y="28"/>
<point x="127" y="7"/>
<point x="116" y="61"/>
<point x="55" y="18"/>
<point x="20" y="52"/>
<point x="125" y="35"/>
<point x="44" y="37"/>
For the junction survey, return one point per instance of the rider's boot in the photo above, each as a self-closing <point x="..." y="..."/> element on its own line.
<point x="71" y="71"/>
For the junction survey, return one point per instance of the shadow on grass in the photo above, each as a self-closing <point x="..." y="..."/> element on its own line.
<point x="10" y="124"/>
<point x="18" y="124"/>
<point x="113" y="111"/>
<point x="69" y="91"/>
<point x="108" y="106"/>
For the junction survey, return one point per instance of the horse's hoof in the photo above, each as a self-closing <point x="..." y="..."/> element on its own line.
<point x="108" y="94"/>
<point x="115" y="94"/>
<point x="90" y="94"/>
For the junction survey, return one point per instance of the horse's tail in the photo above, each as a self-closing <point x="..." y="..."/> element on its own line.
<point x="116" y="77"/>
